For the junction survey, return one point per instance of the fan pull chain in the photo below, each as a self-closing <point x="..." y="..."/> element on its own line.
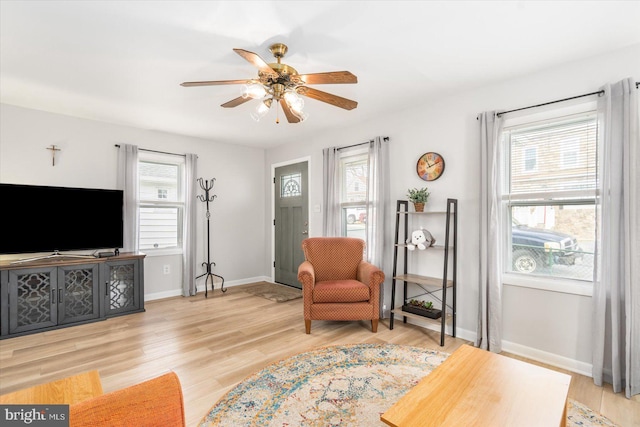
<point x="277" y="114"/>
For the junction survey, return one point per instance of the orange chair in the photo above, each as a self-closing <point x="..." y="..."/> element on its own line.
<point x="155" y="402"/>
<point x="152" y="403"/>
<point x="337" y="284"/>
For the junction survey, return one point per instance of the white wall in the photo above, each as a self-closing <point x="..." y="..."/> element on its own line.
<point x="550" y="326"/>
<point x="88" y="158"/>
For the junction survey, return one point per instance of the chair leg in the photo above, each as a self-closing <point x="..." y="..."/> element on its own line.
<point x="374" y="325"/>
<point x="307" y="325"/>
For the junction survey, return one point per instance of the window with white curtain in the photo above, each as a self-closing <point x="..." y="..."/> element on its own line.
<point x="549" y="196"/>
<point x="161" y="182"/>
<point x="354" y="166"/>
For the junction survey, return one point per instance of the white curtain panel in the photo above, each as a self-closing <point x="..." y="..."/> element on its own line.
<point x="127" y="181"/>
<point x="378" y="206"/>
<point x="616" y="293"/>
<point x="377" y="199"/>
<point x="489" y="333"/>
<point x="189" y="227"/>
<point x="330" y="192"/>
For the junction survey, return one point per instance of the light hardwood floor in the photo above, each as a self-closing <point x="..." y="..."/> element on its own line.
<point x="214" y="343"/>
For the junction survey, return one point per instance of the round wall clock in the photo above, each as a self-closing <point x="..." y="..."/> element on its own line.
<point x="430" y="166"/>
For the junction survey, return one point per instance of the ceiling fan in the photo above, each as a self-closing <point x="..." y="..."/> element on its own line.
<point x="281" y="83"/>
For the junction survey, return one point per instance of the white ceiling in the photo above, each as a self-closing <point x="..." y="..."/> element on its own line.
<point x="122" y="61"/>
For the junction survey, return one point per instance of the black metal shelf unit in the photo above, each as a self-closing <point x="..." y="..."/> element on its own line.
<point x="429" y="286"/>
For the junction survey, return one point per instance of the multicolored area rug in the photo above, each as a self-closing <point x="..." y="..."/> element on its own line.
<point x="350" y="385"/>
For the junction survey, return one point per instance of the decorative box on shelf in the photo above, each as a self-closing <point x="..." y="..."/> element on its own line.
<point x="432" y="313"/>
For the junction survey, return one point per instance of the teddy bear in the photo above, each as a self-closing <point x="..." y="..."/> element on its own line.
<point x="421" y="239"/>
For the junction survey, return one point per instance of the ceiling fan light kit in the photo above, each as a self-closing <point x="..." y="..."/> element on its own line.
<point x="253" y="91"/>
<point x="283" y="84"/>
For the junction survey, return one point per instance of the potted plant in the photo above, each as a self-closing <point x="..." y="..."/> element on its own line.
<point x="423" y="308"/>
<point x="419" y="197"/>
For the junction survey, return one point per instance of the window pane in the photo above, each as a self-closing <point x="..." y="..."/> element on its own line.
<point x="291" y="185"/>
<point x="354" y="178"/>
<point x="556" y="156"/>
<point x="159" y="227"/>
<point x="354" y="220"/>
<point x="556" y="240"/>
<point x="353" y="193"/>
<point x="159" y="181"/>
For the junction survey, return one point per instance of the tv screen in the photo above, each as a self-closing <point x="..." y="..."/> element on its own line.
<point x="49" y="219"/>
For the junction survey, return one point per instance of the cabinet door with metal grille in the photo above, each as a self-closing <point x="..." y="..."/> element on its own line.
<point x="123" y="293"/>
<point x="78" y="293"/>
<point x="33" y="298"/>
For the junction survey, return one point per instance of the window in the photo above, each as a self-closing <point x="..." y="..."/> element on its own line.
<point x="353" y="193"/>
<point x="549" y="196"/>
<point x="161" y="179"/>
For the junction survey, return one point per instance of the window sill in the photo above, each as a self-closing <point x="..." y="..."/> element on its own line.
<point x="553" y="284"/>
<point x="161" y="252"/>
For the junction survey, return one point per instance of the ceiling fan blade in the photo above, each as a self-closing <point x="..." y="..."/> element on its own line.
<point x="216" y="82"/>
<point x="334" y="77"/>
<point x="336" y="100"/>
<point x="292" y="118"/>
<point x="255" y="59"/>
<point x="235" y="102"/>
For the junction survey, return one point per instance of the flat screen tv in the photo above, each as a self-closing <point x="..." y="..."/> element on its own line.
<point x="50" y="219"/>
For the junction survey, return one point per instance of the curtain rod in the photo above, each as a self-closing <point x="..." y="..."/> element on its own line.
<point x="600" y="92"/>
<point x="155" y="151"/>
<point x="386" y="138"/>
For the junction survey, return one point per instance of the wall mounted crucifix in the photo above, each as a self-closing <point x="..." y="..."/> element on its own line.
<point x="53" y="149"/>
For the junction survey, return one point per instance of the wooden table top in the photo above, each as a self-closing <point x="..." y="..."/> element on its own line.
<point x="65" y="391"/>
<point x="480" y="388"/>
<point x="7" y="262"/>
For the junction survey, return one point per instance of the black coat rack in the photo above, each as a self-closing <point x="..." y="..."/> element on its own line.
<point x="207" y="186"/>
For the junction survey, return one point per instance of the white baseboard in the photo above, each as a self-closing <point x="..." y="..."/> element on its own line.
<point x="552" y="359"/>
<point x="162" y="295"/>
<point x="230" y="283"/>
<point x="200" y="288"/>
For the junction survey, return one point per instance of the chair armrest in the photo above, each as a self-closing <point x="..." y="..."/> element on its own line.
<point x="369" y="274"/>
<point x="307" y="277"/>
<point x="158" y="401"/>
<point x="306" y="274"/>
<point x="373" y="277"/>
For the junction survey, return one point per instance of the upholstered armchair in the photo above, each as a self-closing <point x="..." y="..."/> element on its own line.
<point x="337" y="283"/>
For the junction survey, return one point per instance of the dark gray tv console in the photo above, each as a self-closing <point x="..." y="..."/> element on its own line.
<point x="60" y="292"/>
